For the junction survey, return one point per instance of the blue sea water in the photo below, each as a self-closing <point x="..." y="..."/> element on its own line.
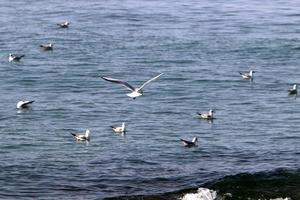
<point x="200" y="46"/>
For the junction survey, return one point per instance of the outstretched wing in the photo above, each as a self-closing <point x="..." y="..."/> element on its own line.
<point x="73" y="134"/>
<point x="27" y="103"/>
<point x="186" y="142"/>
<point x="19" y="57"/>
<point x="152" y="79"/>
<point x="127" y="85"/>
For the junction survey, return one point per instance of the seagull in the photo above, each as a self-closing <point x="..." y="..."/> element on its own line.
<point x="187" y="143"/>
<point x="64" y="24"/>
<point x="47" y="47"/>
<point x="120" y="129"/>
<point x="24" y="104"/>
<point x="13" y="57"/>
<point x="135" y="92"/>
<point x="82" y="137"/>
<point x="208" y="116"/>
<point x="247" y="75"/>
<point x="293" y="90"/>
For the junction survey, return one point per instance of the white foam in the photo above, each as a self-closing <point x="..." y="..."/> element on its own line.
<point x="202" y="194"/>
<point x="207" y="194"/>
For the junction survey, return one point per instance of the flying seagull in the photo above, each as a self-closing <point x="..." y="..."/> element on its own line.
<point x="135" y="92"/>
<point x="293" y="90"/>
<point x="82" y="137"/>
<point x="24" y="104"/>
<point x="47" y="47"/>
<point x="247" y="75"/>
<point x="64" y="24"/>
<point x="187" y="143"/>
<point x="13" y="57"/>
<point x="119" y="129"/>
<point x="208" y="116"/>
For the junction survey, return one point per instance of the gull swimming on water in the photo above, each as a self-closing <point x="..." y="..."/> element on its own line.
<point x="187" y="143"/>
<point x="13" y="57"/>
<point x="82" y="137"/>
<point x="47" y="47"/>
<point x="247" y="75"/>
<point x="64" y="24"/>
<point x="24" y="104"/>
<point x="119" y="129"/>
<point x="293" y="90"/>
<point x="135" y="92"/>
<point x="208" y="116"/>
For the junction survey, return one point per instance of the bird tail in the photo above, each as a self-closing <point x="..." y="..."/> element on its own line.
<point x="112" y="127"/>
<point x="199" y="113"/>
<point x="241" y="73"/>
<point x="21" y="56"/>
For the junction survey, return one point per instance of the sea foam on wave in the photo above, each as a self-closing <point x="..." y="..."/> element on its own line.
<point x="207" y="194"/>
<point x="202" y="194"/>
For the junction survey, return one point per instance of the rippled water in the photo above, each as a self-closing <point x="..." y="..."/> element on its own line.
<point x="199" y="46"/>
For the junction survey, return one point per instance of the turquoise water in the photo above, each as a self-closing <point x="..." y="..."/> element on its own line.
<point x="199" y="46"/>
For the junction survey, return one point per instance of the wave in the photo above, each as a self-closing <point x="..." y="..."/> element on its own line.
<point x="280" y="184"/>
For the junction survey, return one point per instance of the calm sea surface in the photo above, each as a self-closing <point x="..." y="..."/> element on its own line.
<point x="200" y="46"/>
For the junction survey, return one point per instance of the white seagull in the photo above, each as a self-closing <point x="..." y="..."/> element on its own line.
<point x="208" y="116"/>
<point x="82" y="137"/>
<point x="247" y="75"/>
<point x="293" y="90"/>
<point x="24" y="104"/>
<point x="135" y="92"/>
<point x="119" y="129"/>
<point x="187" y="143"/>
<point x="13" y="57"/>
<point x="64" y="24"/>
<point x="47" y="47"/>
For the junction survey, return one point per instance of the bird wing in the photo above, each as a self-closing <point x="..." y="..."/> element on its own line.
<point x="127" y="85"/>
<point x="27" y="103"/>
<point x="81" y="137"/>
<point x="73" y="134"/>
<point x="152" y="79"/>
<point x="185" y="141"/>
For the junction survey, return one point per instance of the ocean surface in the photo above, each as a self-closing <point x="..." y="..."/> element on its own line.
<point x="200" y="46"/>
